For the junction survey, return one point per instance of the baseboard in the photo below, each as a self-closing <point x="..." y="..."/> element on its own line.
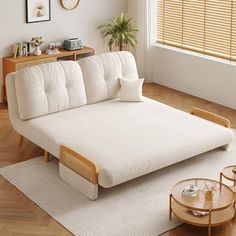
<point x="148" y="81"/>
<point x="197" y="93"/>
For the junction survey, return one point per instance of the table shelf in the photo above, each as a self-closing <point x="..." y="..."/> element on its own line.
<point x="218" y="218"/>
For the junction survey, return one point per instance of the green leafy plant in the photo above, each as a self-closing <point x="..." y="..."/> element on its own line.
<point x="120" y="32"/>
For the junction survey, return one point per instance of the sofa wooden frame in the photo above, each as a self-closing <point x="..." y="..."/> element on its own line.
<point x="79" y="172"/>
<point x="220" y="120"/>
<point x="79" y="164"/>
<point x="82" y="173"/>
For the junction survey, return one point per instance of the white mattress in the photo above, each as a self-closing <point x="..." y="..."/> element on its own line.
<point x="126" y="140"/>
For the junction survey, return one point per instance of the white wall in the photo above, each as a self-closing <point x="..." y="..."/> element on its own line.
<point x="80" y="22"/>
<point x="197" y="75"/>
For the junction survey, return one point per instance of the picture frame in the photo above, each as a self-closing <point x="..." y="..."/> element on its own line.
<point x="38" y="11"/>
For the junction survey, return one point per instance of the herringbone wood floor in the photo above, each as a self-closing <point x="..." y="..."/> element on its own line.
<point x="19" y="216"/>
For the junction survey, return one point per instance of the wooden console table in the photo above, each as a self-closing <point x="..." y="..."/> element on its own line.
<point x="14" y="64"/>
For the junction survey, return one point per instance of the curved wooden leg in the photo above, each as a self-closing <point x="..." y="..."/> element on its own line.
<point x="21" y="140"/>
<point x="46" y="156"/>
<point x="234" y="206"/>
<point x="211" y="117"/>
<point x="170" y="207"/>
<point x="221" y="180"/>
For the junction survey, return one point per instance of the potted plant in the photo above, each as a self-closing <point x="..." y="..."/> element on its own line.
<point x="120" y="31"/>
<point x="36" y="42"/>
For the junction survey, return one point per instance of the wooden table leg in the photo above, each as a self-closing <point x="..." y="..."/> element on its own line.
<point x="46" y="156"/>
<point x="170" y="206"/>
<point x="221" y="176"/>
<point x="21" y="140"/>
<point x="209" y="226"/>
<point x="234" y="207"/>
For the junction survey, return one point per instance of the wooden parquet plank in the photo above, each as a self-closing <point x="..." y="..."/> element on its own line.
<point x="19" y="216"/>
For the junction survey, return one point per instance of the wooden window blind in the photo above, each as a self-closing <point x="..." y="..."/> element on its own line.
<point x="205" y="26"/>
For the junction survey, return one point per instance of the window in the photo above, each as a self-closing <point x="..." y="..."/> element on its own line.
<point x="205" y="26"/>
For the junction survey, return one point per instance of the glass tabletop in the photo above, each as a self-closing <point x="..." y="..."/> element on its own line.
<point x="227" y="172"/>
<point x="222" y="197"/>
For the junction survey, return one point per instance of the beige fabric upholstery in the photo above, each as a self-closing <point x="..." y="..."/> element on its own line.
<point x="124" y="139"/>
<point x="131" y="90"/>
<point x="76" y="181"/>
<point x="101" y="74"/>
<point x="49" y="88"/>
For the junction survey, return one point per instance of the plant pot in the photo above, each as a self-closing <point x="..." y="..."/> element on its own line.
<point x="37" y="51"/>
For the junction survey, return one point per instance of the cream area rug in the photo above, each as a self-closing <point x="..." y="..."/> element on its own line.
<point x="138" y="207"/>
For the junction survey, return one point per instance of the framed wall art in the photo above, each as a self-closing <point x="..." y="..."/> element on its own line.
<point x="38" y="11"/>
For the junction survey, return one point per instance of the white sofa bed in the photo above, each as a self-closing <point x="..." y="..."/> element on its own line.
<point x="71" y="110"/>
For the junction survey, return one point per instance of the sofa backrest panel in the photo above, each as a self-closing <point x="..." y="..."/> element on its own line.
<point x="101" y="74"/>
<point x="49" y="88"/>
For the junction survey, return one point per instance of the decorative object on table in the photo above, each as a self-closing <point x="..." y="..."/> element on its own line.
<point x="191" y="191"/>
<point x="53" y="50"/>
<point x="21" y="49"/>
<point x="120" y="31"/>
<point x="15" y="48"/>
<point x="73" y="44"/>
<point x="199" y="212"/>
<point x="36" y="42"/>
<point x="70" y="4"/>
<point x="234" y="170"/>
<point x="208" y="191"/>
<point x="208" y="195"/>
<point x="38" y="11"/>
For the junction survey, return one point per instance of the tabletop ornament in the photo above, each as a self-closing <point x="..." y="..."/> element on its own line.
<point x="208" y="191"/>
<point x="36" y="42"/>
<point x="191" y="191"/>
<point x="234" y="170"/>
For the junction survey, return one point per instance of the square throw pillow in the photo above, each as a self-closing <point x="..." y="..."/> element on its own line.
<point x="131" y="90"/>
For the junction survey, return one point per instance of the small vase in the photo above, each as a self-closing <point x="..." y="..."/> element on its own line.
<point x="37" y="51"/>
<point x="208" y="195"/>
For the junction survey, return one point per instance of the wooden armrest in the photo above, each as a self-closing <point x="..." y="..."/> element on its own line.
<point x="211" y="117"/>
<point x="79" y="164"/>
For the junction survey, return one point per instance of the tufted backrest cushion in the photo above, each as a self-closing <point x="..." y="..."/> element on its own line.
<point x="101" y="74"/>
<point x="49" y="88"/>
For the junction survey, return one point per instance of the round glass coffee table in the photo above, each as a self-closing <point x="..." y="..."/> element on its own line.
<point x="218" y="211"/>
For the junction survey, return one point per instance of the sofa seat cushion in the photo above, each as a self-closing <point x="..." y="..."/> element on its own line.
<point x="126" y="140"/>
<point x="49" y="88"/>
<point x="101" y="74"/>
